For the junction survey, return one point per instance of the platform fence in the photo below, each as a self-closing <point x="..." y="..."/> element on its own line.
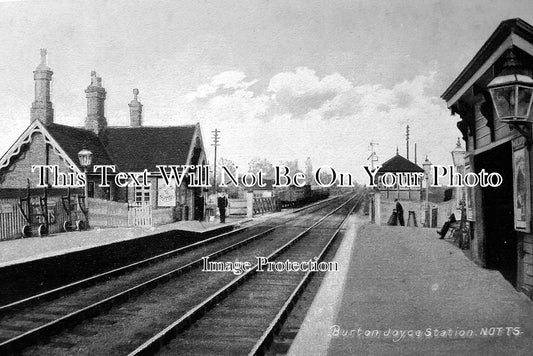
<point x="12" y="221"/>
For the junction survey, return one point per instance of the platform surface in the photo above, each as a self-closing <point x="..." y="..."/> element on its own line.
<point x="401" y="291"/>
<point x="33" y="248"/>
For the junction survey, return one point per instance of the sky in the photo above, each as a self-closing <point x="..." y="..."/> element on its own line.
<point x="281" y="80"/>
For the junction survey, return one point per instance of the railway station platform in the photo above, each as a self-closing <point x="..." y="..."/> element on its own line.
<point x="35" y="248"/>
<point x="401" y="291"/>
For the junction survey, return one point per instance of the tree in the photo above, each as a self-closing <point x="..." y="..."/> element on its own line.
<point x="230" y="166"/>
<point x="326" y="177"/>
<point x="261" y="164"/>
<point x="293" y="166"/>
<point x="309" y="171"/>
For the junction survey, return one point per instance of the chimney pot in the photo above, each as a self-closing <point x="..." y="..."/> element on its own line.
<point x="136" y="109"/>
<point x="95" y="95"/>
<point x="41" y="108"/>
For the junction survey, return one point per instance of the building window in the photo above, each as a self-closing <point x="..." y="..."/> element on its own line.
<point x="142" y="195"/>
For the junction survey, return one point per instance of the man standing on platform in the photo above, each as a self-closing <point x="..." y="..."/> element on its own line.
<point x="399" y="211"/>
<point x="222" y="202"/>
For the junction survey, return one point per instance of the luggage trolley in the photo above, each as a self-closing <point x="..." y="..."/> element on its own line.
<point x="36" y="216"/>
<point x="74" y="221"/>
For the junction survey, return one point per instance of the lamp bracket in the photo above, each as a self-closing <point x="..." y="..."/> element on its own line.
<point x="525" y="130"/>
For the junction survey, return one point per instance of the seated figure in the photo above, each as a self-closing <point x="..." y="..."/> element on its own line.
<point x="442" y="232"/>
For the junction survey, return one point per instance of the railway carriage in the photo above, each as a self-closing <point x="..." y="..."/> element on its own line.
<point x="297" y="196"/>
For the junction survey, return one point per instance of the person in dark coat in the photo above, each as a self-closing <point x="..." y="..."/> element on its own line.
<point x="442" y="232"/>
<point x="399" y="212"/>
<point x="222" y="203"/>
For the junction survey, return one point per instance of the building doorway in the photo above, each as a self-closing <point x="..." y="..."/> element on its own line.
<point x="199" y="204"/>
<point x="500" y="240"/>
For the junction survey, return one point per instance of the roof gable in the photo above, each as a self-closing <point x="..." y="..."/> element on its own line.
<point x="399" y="164"/>
<point x="131" y="149"/>
<point x="513" y="32"/>
<point x="26" y="137"/>
<point x="134" y="149"/>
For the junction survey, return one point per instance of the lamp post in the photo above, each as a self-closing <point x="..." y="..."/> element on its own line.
<point x="458" y="157"/>
<point x="427" y="171"/>
<point x="86" y="157"/>
<point x="512" y="95"/>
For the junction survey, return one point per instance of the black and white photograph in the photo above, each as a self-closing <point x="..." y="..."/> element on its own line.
<point x="266" y="177"/>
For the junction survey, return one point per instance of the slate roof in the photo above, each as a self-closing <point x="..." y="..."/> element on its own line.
<point x="131" y="149"/>
<point x="74" y="139"/>
<point x="399" y="164"/>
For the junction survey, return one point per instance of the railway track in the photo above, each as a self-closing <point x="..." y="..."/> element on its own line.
<point x="36" y="319"/>
<point x="243" y="316"/>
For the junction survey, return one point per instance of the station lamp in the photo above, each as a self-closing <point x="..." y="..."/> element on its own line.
<point x="427" y="169"/>
<point x="86" y="159"/>
<point x="458" y="154"/>
<point x="512" y="95"/>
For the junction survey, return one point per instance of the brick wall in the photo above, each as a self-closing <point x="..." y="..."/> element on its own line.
<point x="20" y="170"/>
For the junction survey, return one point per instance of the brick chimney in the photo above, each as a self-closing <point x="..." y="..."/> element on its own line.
<point x="95" y="94"/>
<point x="136" y="110"/>
<point x="41" y="108"/>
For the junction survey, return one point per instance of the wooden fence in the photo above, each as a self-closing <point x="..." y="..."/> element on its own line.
<point x="12" y="220"/>
<point x="264" y="205"/>
<point x="102" y="213"/>
<point x="105" y="213"/>
<point x="140" y="215"/>
<point x="237" y="207"/>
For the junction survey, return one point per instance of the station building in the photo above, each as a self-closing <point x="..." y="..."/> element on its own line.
<point x="395" y="165"/>
<point x="382" y="197"/>
<point x="492" y="97"/>
<point x="132" y="148"/>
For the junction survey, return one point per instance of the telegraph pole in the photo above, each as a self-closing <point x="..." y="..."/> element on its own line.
<point x="407" y="139"/>
<point x="373" y="156"/>
<point x="215" y="143"/>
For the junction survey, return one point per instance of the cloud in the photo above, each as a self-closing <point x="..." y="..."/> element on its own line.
<point x="237" y="106"/>
<point x="300" y="114"/>
<point x="299" y="92"/>
<point x="302" y="94"/>
<point x="221" y="83"/>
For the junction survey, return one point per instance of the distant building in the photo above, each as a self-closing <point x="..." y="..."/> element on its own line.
<point x="399" y="164"/>
<point x="384" y="194"/>
<point x="130" y="148"/>
<point x="263" y="192"/>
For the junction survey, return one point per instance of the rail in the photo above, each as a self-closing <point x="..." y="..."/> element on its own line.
<point x="152" y="345"/>
<point x="33" y="336"/>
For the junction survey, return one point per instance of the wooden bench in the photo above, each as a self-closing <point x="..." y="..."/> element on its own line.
<point x="454" y="226"/>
